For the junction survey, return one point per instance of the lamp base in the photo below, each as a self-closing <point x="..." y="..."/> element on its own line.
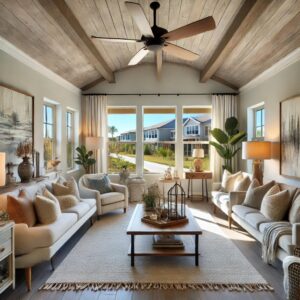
<point x="257" y="171"/>
<point x="198" y="165"/>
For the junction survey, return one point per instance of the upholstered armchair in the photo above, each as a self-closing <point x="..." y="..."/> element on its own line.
<point x="291" y="268"/>
<point x="106" y="202"/>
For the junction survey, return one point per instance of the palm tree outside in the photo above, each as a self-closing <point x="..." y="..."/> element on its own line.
<point x="112" y="130"/>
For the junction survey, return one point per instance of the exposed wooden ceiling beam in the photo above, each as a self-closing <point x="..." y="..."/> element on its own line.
<point x="92" y="84"/>
<point x="62" y="14"/>
<point x="247" y="15"/>
<point x="225" y="82"/>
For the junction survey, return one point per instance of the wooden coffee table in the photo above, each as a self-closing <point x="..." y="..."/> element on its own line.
<point x="143" y="245"/>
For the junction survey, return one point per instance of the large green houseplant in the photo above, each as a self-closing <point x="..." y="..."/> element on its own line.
<point x="84" y="158"/>
<point x="227" y="142"/>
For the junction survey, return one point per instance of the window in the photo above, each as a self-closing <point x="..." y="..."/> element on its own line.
<point x="159" y="138"/>
<point x="195" y="136"/>
<point x="259" y="124"/>
<point x="121" y="139"/>
<point x="49" y="135"/>
<point x="70" y="139"/>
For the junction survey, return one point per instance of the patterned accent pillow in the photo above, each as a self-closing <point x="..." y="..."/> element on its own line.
<point x="275" y="203"/>
<point x="228" y="181"/>
<point x="21" y="209"/>
<point x="101" y="184"/>
<point x="294" y="214"/>
<point x="255" y="193"/>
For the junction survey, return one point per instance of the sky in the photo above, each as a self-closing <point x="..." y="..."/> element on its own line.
<point x="126" y="122"/>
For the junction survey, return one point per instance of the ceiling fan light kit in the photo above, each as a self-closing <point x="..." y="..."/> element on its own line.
<point x="156" y="39"/>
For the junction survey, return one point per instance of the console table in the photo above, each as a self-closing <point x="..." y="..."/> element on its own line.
<point x="203" y="176"/>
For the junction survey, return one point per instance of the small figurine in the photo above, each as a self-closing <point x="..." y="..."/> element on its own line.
<point x="168" y="174"/>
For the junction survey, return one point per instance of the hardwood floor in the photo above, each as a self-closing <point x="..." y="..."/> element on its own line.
<point x="250" y="248"/>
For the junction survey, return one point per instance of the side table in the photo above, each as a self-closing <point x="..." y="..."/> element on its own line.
<point x="203" y="176"/>
<point x="7" y="256"/>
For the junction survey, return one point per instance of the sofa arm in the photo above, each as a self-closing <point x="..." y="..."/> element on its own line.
<point x="236" y="198"/>
<point x="86" y="193"/>
<point x="291" y="281"/>
<point x="121" y="189"/>
<point x="296" y="234"/>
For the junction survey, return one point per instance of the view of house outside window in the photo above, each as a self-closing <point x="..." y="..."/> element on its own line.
<point x="121" y="139"/>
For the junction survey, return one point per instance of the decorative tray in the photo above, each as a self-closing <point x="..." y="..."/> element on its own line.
<point x="164" y="223"/>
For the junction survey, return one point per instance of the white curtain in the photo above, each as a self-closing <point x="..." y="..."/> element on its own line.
<point x="223" y="107"/>
<point x="94" y="124"/>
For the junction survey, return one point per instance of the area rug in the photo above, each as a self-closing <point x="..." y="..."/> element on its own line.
<point x="100" y="261"/>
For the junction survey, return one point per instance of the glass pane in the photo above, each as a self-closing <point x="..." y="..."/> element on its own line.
<point x="44" y="131"/>
<point x="49" y="133"/>
<point x="258" y="132"/>
<point x="263" y="117"/>
<point x="70" y="155"/>
<point x="49" y="116"/>
<point x="263" y="131"/>
<point x="69" y="134"/>
<point x="48" y="153"/>
<point x="258" y="118"/>
<point x="45" y="110"/>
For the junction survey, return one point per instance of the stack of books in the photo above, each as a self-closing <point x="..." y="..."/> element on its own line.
<point x="167" y="241"/>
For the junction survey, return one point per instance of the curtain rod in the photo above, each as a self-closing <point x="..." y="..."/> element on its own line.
<point x="158" y="94"/>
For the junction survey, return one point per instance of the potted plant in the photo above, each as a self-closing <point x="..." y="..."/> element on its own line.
<point x="227" y="141"/>
<point x="84" y="158"/>
<point x="25" y="169"/>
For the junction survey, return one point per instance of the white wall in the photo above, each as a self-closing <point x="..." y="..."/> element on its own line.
<point x="175" y="78"/>
<point x="20" y="76"/>
<point x="273" y="90"/>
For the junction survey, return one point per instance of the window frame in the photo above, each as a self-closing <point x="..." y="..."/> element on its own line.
<point x="262" y="126"/>
<point x="72" y="113"/>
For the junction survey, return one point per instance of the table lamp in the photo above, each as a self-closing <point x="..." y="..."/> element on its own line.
<point x="198" y="154"/>
<point x="257" y="151"/>
<point x="2" y="169"/>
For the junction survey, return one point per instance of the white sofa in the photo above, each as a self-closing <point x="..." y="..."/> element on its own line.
<point x="118" y="199"/>
<point x="39" y="243"/>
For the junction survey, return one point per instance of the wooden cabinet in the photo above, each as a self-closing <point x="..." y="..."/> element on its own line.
<point x="7" y="256"/>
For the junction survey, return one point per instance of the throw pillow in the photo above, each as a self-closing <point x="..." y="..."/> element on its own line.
<point x="69" y="187"/>
<point x="21" y="209"/>
<point x="47" y="209"/>
<point x="67" y="201"/>
<point x="228" y="180"/>
<point x="275" y="203"/>
<point x="255" y="193"/>
<point x="242" y="184"/>
<point x="101" y="184"/>
<point x="294" y="214"/>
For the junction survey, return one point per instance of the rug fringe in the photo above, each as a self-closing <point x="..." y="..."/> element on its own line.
<point x="100" y="286"/>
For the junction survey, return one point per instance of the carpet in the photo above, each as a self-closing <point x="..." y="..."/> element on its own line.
<point x="99" y="261"/>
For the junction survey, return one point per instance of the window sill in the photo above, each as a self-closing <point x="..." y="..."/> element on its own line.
<point x="70" y="171"/>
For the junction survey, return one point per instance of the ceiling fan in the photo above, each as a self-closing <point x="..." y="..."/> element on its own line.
<point x="156" y="39"/>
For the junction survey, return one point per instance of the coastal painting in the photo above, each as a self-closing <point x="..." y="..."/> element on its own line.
<point x="16" y="121"/>
<point x="290" y="137"/>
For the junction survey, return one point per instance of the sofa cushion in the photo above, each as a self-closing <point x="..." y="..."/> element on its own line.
<point x="90" y="202"/>
<point x="217" y="194"/>
<point x="110" y="198"/>
<point x="228" y="180"/>
<point x="255" y="219"/>
<point x="275" y="203"/>
<point x="256" y="192"/>
<point x="47" y="209"/>
<point x="101" y="184"/>
<point x="294" y="214"/>
<point x="80" y="209"/>
<point x="67" y="201"/>
<point x="242" y="210"/>
<point x="223" y="202"/>
<point x="21" y="209"/>
<point x="285" y="242"/>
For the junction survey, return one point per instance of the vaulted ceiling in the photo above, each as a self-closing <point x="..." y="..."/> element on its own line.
<point x="250" y="35"/>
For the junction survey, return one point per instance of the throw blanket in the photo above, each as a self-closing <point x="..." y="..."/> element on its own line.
<point x="271" y="236"/>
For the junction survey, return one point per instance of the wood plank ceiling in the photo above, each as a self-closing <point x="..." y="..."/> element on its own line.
<point x="37" y="28"/>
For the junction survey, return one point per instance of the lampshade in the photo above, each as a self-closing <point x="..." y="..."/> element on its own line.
<point x="256" y="150"/>
<point x="93" y="142"/>
<point x="2" y="169"/>
<point x="198" y="153"/>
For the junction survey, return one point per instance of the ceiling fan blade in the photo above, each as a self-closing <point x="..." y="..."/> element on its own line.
<point x="138" y="57"/>
<point x="180" y="52"/>
<point x="158" y="62"/>
<point x="115" y="40"/>
<point x="140" y="19"/>
<point x="194" y="28"/>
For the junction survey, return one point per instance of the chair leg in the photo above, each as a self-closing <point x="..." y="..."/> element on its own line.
<point x="125" y="209"/>
<point x="28" y="278"/>
<point x="229" y="222"/>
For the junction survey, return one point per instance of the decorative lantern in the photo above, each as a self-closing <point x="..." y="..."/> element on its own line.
<point x="176" y="203"/>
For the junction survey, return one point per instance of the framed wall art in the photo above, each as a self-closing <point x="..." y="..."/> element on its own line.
<point x="290" y="137"/>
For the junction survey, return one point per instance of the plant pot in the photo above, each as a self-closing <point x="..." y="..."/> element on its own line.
<point x="25" y="170"/>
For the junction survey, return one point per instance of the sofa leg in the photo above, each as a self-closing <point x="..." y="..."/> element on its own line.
<point x="28" y="278"/>
<point x="229" y="222"/>
<point x="125" y="209"/>
<point x="52" y="264"/>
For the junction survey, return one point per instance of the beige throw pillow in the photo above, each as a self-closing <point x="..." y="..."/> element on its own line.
<point x="67" y="201"/>
<point x="256" y="192"/>
<point x="21" y="209"/>
<point x="47" y="209"/>
<point x="68" y="188"/>
<point x="294" y="214"/>
<point x="241" y="184"/>
<point x="275" y="203"/>
<point x="228" y="181"/>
